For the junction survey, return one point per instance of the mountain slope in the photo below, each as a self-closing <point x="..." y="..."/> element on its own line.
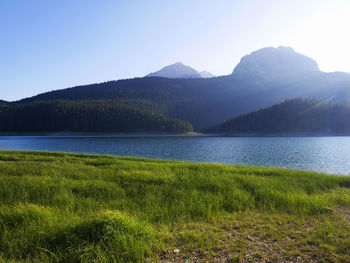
<point x="203" y="102"/>
<point x="177" y="70"/>
<point x="293" y="116"/>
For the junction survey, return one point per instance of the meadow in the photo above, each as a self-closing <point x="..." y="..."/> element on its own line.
<point x="60" y="207"/>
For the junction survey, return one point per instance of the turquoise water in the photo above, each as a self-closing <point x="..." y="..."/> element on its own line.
<point x="323" y="154"/>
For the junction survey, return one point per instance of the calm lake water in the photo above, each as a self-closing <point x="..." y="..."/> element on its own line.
<point x="323" y="154"/>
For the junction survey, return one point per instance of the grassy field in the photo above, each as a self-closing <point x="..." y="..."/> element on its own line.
<point x="58" y="207"/>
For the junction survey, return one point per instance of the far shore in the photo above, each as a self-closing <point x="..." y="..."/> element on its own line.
<point x="155" y="134"/>
<point x="121" y="134"/>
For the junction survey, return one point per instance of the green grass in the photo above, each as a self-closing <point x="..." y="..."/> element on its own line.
<point x="57" y="207"/>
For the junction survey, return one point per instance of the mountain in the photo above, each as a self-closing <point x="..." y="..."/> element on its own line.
<point x="293" y="117"/>
<point x="207" y="102"/>
<point x="275" y="63"/>
<point x="202" y="102"/>
<point x="86" y="116"/>
<point x="206" y="74"/>
<point x="177" y="70"/>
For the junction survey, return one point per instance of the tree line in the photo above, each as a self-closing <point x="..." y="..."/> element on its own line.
<point x="87" y="116"/>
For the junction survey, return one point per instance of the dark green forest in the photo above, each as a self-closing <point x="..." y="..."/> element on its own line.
<point x="202" y="102"/>
<point x="293" y="116"/>
<point x="87" y="116"/>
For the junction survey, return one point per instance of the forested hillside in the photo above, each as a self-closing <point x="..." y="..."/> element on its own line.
<point x="293" y="116"/>
<point x="87" y="116"/>
<point x="203" y="102"/>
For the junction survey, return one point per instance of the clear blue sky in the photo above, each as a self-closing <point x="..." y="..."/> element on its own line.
<point x="47" y="45"/>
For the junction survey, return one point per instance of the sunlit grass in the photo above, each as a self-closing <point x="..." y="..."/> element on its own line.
<point x="57" y="207"/>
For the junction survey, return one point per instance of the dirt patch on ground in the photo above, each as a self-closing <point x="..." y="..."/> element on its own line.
<point x="345" y="213"/>
<point x="262" y="238"/>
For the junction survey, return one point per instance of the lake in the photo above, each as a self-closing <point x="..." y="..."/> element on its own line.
<point x="322" y="154"/>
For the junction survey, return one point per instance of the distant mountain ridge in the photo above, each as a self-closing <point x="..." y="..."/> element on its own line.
<point x="259" y="80"/>
<point x="176" y="70"/>
<point x="273" y="63"/>
<point x="179" y="70"/>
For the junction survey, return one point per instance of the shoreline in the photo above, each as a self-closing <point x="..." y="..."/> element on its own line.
<point x="166" y="134"/>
